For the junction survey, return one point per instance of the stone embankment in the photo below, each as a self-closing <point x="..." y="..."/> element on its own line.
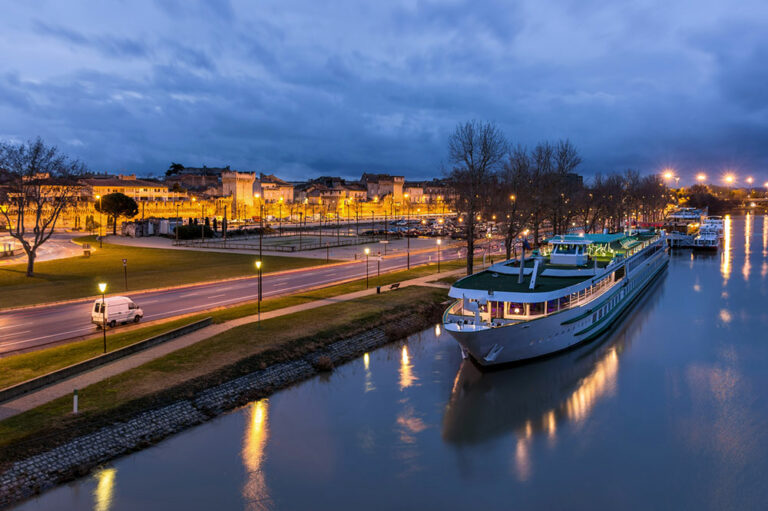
<point x="78" y="457"/>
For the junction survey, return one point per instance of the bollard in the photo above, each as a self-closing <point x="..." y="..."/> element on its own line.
<point x="74" y="403"/>
<point x="378" y="290"/>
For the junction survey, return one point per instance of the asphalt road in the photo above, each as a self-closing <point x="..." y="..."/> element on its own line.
<point x="33" y="328"/>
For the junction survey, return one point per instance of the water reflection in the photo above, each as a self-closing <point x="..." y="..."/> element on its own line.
<point x="105" y="488"/>
<point x="530" y="398"/>
<point x="255" y="490"/>
<point x="725" y="264"/>
<point x="765" y="235"/>
<point x="369" y="386"/>
<point x="764" y="266"/>
<point x="745" y="270"/>
<point x="407" y="375"/>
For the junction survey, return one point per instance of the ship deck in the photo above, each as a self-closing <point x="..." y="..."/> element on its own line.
<point x="493" y="281"/>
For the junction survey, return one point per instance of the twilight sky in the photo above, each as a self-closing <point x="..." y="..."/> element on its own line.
<point x="303" y="88"/>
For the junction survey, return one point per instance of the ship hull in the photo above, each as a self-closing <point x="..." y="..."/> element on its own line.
<point x="560" y="331"/>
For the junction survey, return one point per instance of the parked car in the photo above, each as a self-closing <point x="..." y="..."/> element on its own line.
<point x="116" y="309"/>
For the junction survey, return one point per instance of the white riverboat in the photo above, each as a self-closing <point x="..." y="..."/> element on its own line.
<point x="714" y="223"/>
<point x="707" y="239"/>
<point x="570" y="293"/>
<point x="682" y="226"/>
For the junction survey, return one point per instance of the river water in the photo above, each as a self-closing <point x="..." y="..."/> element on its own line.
<point x="670" y="410"/>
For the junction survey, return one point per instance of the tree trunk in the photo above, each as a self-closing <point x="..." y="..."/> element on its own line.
<point x="30" y="264"/>
<point x="114" y="226"/>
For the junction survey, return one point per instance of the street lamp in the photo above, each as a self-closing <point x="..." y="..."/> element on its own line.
<point x="701" y="177"/>
<point x="102" y="290"/>
<point x="367" y="251"/>
<point x="489" y="235"/>
<point x="439" y="242"/>
<point x="258" y="300"/>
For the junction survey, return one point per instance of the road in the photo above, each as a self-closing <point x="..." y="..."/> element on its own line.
<point x="33" y="328"/>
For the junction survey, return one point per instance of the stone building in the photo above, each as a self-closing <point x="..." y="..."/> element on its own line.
<point x="380" y="185"/>
<point x="138" y="189"/>
<point x="239" y="186"/>
<point x="273" y="189"/>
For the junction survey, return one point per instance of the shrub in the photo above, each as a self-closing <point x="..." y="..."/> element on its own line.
<point x="191" y="232"/>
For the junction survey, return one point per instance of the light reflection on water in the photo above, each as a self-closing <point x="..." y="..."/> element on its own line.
<point x="725" y="254"/>
<point x="255" y="489"/>
<point x="102" y="495"/>
<point x="671" y="407"/>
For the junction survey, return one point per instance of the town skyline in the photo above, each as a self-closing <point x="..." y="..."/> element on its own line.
<point x="302" y="90"/>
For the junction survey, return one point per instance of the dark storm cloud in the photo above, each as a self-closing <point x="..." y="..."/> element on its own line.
<point x="298" y="87"/>
<point x="106" y="44"/>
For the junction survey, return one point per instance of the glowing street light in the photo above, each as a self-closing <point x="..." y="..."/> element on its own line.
<point x="730" y="178"/>
<point x="701" y="177"/>
<point x="668" y="174"/>
<point x="102" y="290"/>
<point x="750" y="180"/>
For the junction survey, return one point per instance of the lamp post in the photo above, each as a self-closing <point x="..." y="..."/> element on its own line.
<point x="439" y="242"/>
<point x="98" y="197"/>
<point x="280" y="212"/>
<point x="261" y="225"/>
<point x="367" y="251"/>
<point x="258" y="300"/>
<point x="489" y="235"/>
<point x="102" y="290"/>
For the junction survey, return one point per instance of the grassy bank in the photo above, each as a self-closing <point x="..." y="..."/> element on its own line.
<point x="185" y="372"/>
<point x="18" y="368"/>
<point x="77" y="277"/>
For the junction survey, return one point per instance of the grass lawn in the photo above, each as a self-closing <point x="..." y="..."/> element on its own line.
<point x="450" y="279"/>
<point x="185" y="372"/>
<point x="77" y="277"/>
<point x="18" y="368"/>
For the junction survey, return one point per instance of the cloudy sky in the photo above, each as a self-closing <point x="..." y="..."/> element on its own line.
<point x="300" y="87"/>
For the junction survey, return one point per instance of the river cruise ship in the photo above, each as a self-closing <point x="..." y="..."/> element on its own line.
<point x="571" y="292"/>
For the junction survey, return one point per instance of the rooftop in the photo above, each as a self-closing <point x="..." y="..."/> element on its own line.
<point x="508" y="283"/>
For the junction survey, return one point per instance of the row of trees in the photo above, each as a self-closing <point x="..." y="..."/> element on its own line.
<point x="538" y="189"/>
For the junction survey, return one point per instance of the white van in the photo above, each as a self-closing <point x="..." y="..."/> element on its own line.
<point x="117" y="309"/>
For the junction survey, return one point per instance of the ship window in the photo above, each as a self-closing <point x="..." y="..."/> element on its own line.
<point x="536" y="309"/>
<point x="565" y="301"/>
<point x="551" y="306"/>
<point x="516" y="309"/>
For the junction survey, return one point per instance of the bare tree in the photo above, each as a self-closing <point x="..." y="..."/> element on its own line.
<point x="40" y="184"/>
<point x="513" y="197"/>
<point x="475" y="151"/>
<point x="562" y="187"/>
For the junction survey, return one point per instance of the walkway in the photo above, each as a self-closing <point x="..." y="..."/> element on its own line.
<point x="42" y="396"/>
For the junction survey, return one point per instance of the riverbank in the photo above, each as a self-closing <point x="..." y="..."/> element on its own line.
<point x="48" y="445"/>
